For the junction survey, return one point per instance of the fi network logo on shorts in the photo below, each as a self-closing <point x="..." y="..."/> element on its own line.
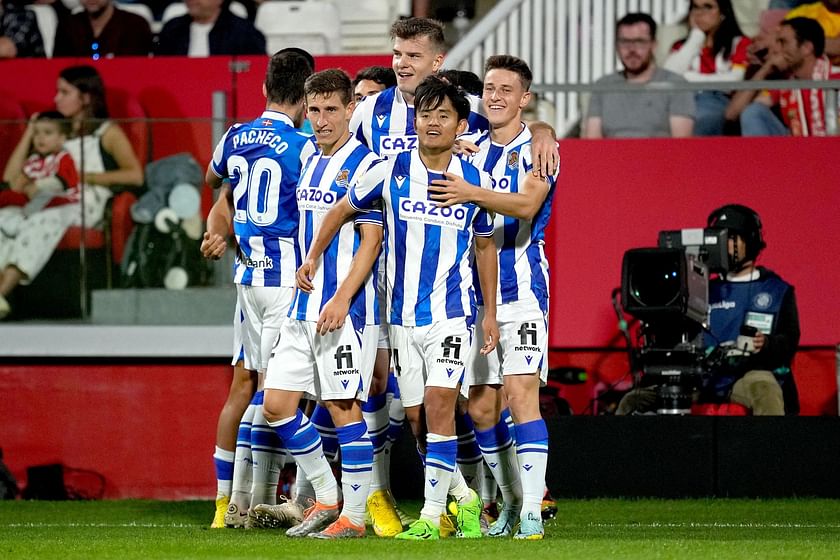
<point x="344" y="361"/>
<point x="451" y="351"/>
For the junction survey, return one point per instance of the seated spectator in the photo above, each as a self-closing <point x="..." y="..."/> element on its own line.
<point x="827" y="13"/>
<point x="109" y="163"/>
<point x="209" y="29"/>
<point x="631" y="114"/>
<point x="373" y="79"/>
<point x="102" y="31"/>
<point x="714" y="51"/>
<point x="19" y="33"/>
<point x="48" y="177"/>
<point x="754" y="323"/>
<point x="797" y="55"/>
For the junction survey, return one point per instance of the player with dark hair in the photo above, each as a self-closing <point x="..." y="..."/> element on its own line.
<point x="262" y="160"/>
<point x="372" y="80"/>
<point x="429" y="295"/>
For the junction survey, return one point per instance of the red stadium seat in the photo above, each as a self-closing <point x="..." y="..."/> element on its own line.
<point x="720" y="409"/>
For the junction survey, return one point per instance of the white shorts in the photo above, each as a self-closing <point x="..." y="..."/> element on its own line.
<point x="384" y="341"/>
<point x="265" y="309"/>
<point x="338" y="365"/>
<point x="238" y="349"/>
<point x="433" y="355"/>
<point x="522" y="348"/>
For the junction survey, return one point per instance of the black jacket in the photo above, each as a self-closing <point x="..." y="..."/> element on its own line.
<point x="231" y="35"/>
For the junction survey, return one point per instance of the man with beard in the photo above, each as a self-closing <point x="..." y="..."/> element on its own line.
<point x="646" y="113"/>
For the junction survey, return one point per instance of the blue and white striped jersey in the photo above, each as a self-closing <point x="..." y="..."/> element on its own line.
<point x="385" y="122"/>
<point x="324" y="181"/>
<point x="263" y="159"/>
<point x="427" y="248"/>
<point x="523" y="268"/>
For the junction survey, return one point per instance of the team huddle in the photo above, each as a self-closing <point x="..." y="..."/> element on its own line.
<point x="390" y="266"/>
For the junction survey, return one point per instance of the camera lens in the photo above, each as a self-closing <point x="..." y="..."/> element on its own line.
<point x="655" y="280"/>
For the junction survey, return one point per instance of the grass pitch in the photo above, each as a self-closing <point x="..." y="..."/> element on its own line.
<point x="590" y="529"/>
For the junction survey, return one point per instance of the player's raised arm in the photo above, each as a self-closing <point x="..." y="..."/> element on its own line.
<point x="335" y="311"/>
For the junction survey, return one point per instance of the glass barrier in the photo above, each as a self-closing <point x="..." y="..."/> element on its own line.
<point x="80" y="242"/>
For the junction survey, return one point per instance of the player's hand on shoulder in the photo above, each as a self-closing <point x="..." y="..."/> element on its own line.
<point x="213" y="246"/>
<point x="545" y="151"/>
<point x="491" y="334"/>
<point x="333" y="315"/>
<point x="303" y="276"/>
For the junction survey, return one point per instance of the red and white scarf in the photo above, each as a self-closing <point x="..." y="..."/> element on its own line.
<point x="807" y="119"/>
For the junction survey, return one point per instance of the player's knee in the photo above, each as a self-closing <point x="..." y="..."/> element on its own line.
<point x="483" y="413"/>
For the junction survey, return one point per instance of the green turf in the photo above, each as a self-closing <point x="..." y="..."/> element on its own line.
<point x="589" y="529"/>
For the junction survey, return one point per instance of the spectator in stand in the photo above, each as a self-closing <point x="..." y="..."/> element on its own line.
<point x="799" y="55"/>
<point x="103" y="31"/>
<point x="827" y="13"/>
<point x="372" y="80"/>
<point x="19" y="33"/>
<point x="714" y="51"/>
<point x="48" y="177"/>
<point x="109" y="162"/>
<point x="209" y="29"/>
<point x="631" y="114"/>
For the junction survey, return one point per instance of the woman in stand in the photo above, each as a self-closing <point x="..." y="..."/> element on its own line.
<point x="105" y="160"/>
<point x="715" y="50"/>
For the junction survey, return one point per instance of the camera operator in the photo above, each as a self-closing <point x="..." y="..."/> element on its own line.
<point x="754" y="329"/>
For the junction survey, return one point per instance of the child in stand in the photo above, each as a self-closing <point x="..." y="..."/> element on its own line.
<point x="48" y="177"/>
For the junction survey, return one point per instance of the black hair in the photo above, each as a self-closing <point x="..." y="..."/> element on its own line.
<point x="638" y="17"/>
<point x="465" y="79"/>
<point x="54" y="116"/>
<point x="382" y="75"/>
<point x="306" y="54"/>
<point x="807" y="29"/>
<point x="728" y="30"/>
<point x="433" y="90"/>
<point x="287" y="72"/>
<point x="512" y="63"/>
<point x="412" y="27"/>
<point x="88" y="81"/>
<point x="740" y="220"/>
<point x="329" y="81"/>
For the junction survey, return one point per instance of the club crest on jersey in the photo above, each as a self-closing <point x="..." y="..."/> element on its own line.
<point x="513" y="160"/>
<point x="763" y="300"/>
<point x="343" y="177"/>
<point x="427" y="212"/>
<point x="315" y="200"/>
<point x="391" y="145"/>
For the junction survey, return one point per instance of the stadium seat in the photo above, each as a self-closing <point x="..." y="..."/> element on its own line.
<point x="719" y="409"/>
<point x="13" y="125"/>
<point x="365" y="25"/>
<point x="47" y="23"/>
<point x="312" y="25"/>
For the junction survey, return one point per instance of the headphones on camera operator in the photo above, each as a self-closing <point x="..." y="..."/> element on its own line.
<point x="744" y="221"/>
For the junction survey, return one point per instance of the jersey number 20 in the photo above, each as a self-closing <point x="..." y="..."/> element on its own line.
<point x="261" y="184"/>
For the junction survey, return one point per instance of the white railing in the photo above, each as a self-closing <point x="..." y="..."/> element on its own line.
<point x="564" y="42"/>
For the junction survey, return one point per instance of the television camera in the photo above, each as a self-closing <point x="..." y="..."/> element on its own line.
<point x="667" y="289"/>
